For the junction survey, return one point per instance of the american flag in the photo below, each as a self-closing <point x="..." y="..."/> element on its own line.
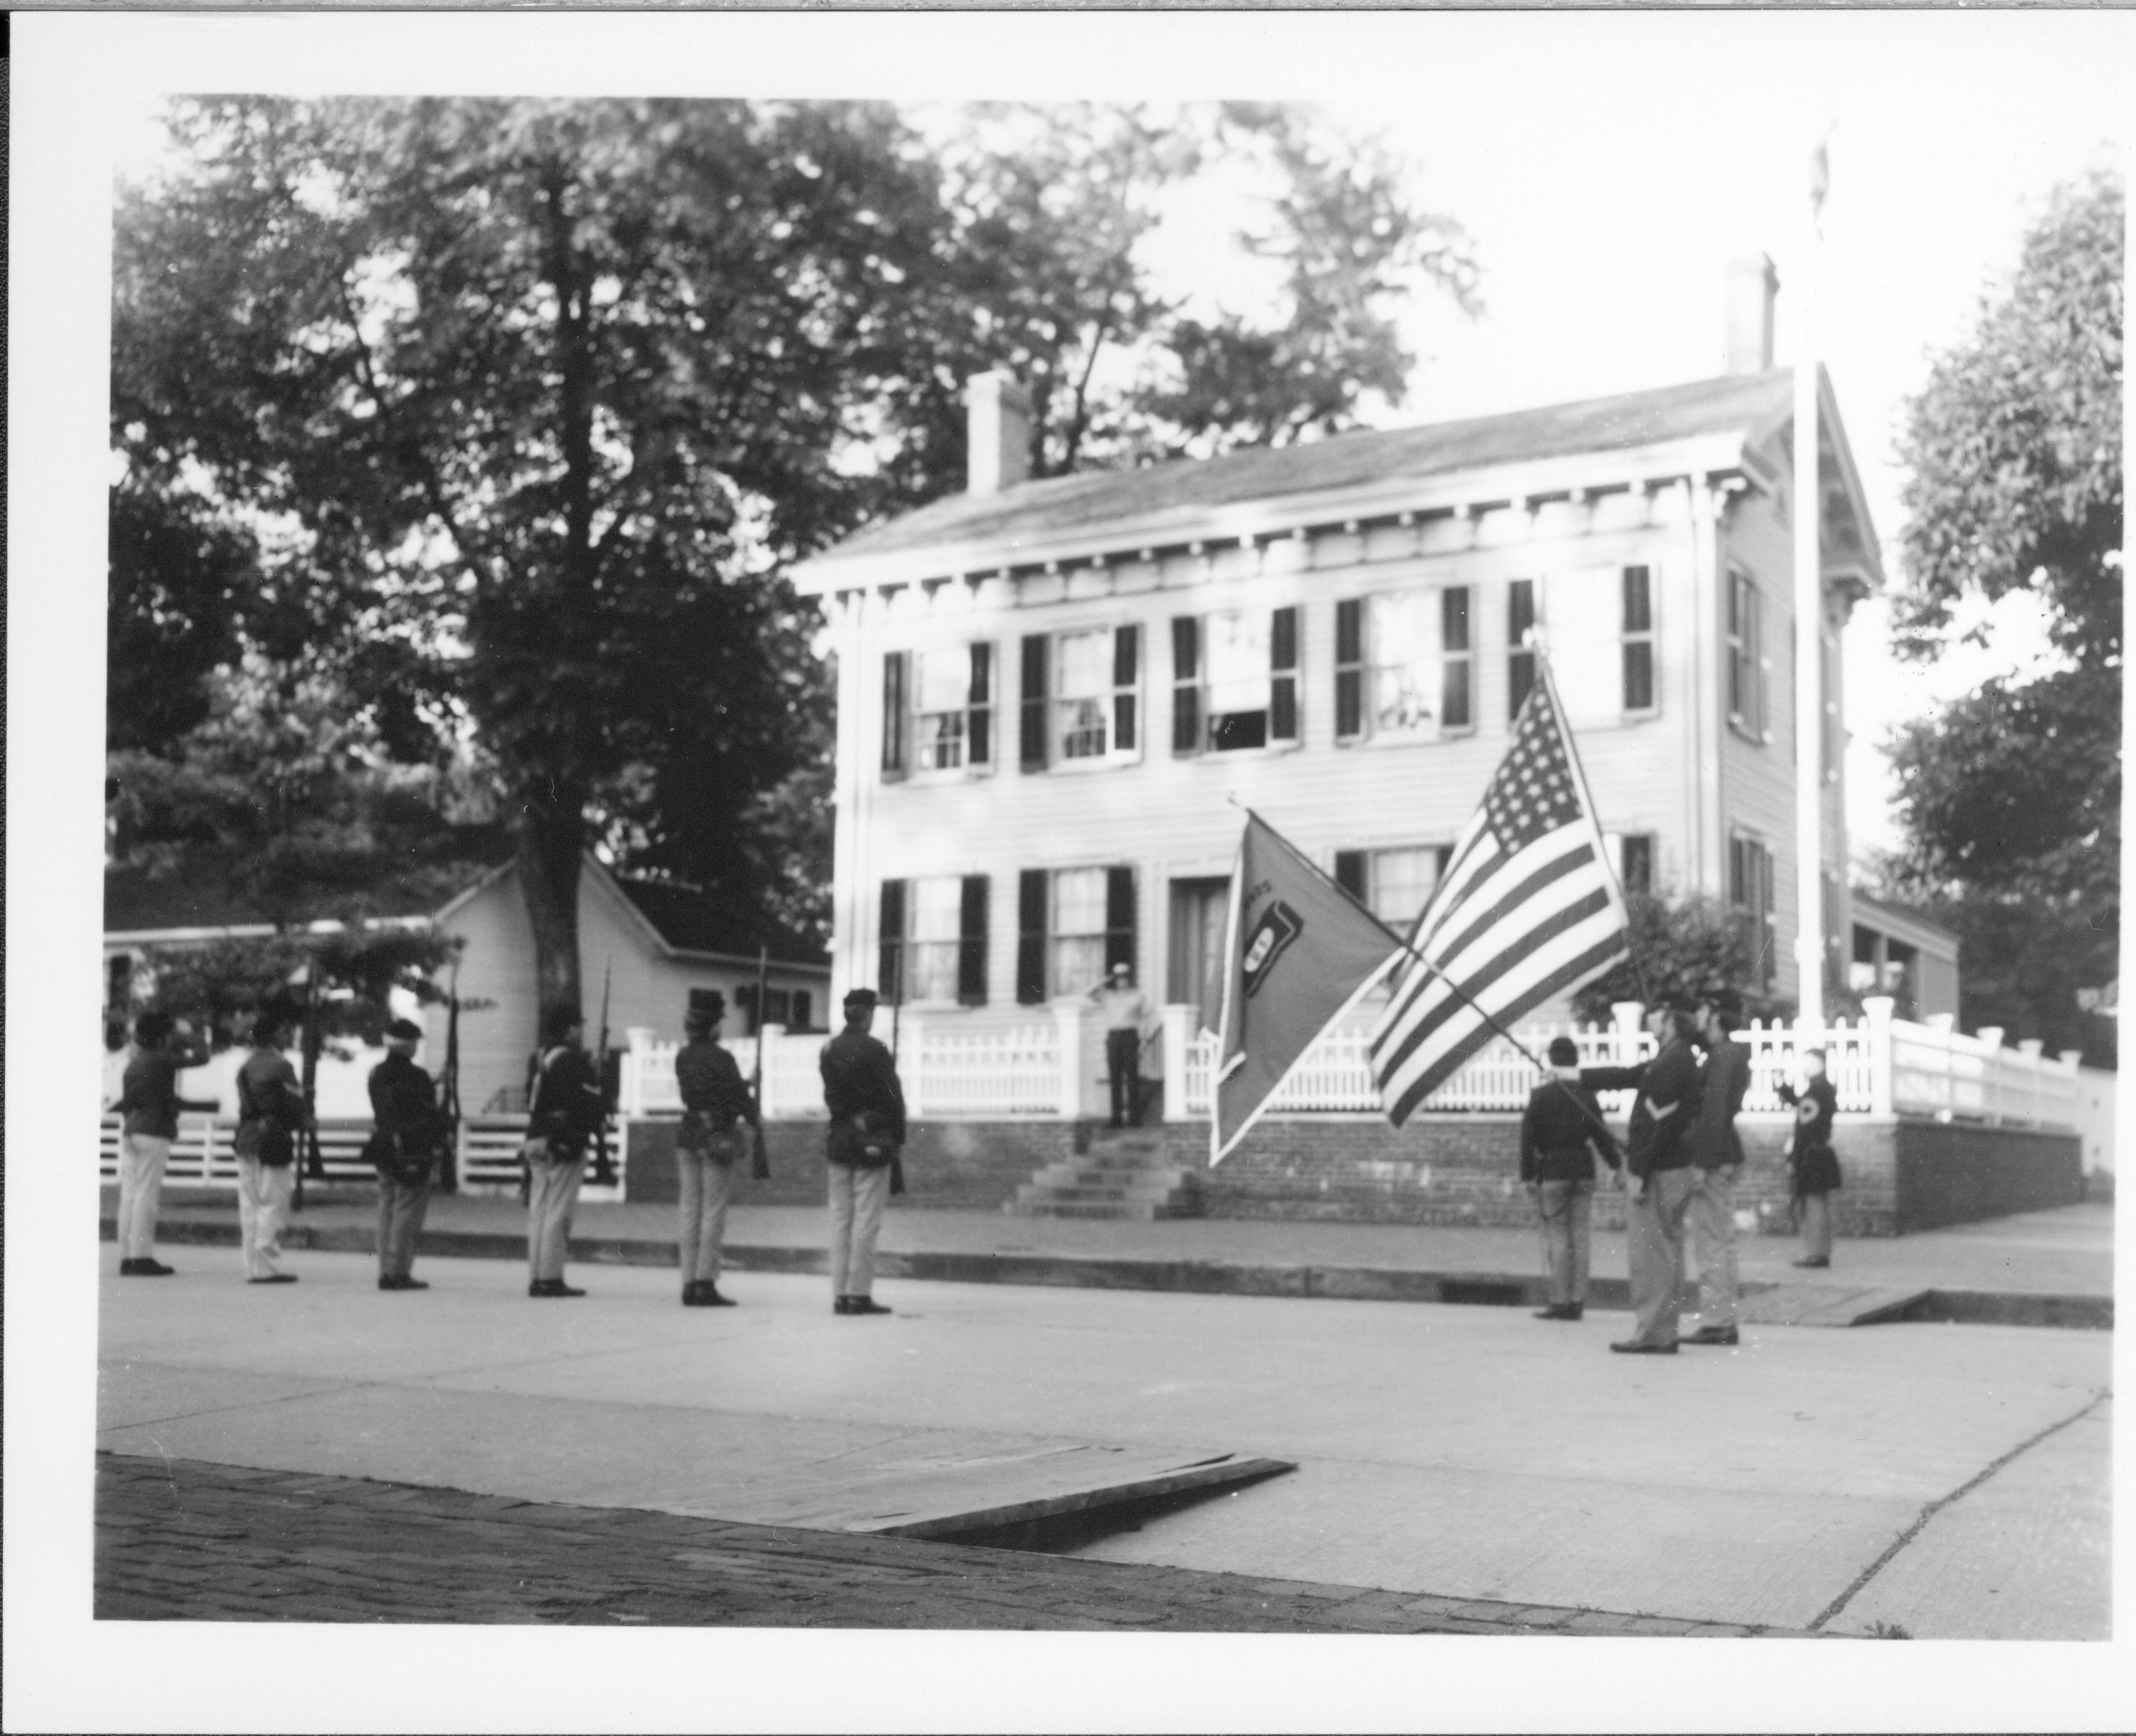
<point x="1528" y="908"/>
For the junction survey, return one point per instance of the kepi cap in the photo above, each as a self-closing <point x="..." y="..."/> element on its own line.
<point x="404" y="1030"/>
<point x="1564" y="1052"/>
<point x="860" y="997"/>
<point x="707" y="1007"/>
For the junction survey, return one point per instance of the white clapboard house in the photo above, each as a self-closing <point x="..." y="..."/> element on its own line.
<point x="1052" y="693"/>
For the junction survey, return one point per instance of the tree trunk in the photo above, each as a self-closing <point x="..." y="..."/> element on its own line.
<point x="549" y="838"/>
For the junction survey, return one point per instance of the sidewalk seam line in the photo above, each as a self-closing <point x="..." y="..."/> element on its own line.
<point x="1921" y="1520"/>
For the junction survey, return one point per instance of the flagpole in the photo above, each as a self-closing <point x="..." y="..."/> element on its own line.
<point x="1405" y="945"/>
<point x="1809" y="633"/>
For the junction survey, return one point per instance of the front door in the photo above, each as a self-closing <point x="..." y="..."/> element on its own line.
<point x="1199" y="908"/>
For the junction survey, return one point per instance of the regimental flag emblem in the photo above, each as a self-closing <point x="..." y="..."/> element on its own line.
<point x="1300" y="953"/>
<point x="1528" y="908"/>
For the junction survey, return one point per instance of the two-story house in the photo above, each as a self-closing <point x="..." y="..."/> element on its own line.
<point x="1051" y="693"/>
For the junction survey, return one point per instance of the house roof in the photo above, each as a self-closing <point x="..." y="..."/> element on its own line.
<point x="690" y="919"/>
<point x="1745" y="401"/>
<point x="1740" y="420"/>
<point x="1902" y="923"/>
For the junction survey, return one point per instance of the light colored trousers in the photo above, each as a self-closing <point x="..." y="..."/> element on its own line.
<point x="1656" y="1224"/>
<point x="856" y="1202"/>
<point x="402" y="1203"/>
<point x="263" y="1209"/>
<point x="1712" y="1217"/>
<point x="1565" y="1214"/>
<point x="552" y="1191"/>
<point x="706" y="1183"/>
<point x="1816" y="1225"/>
<point x="141" y="1160"/>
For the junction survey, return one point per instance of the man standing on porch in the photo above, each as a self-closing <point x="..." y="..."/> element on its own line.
<point x="867" y="1107"/>
<point x="1126" y="1014"/>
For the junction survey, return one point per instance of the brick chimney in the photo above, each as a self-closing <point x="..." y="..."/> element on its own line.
<point x="998" y="432"/>
<point x="1752" y="284"/>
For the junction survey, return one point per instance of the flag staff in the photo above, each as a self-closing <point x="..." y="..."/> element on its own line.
<point x="1809" y="626"/>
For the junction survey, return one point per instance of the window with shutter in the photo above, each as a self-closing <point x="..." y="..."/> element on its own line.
<point x="1032" y="733"/>
<point x="1350" y="874"/>
<point x="1031" y="890"/>
<point x="972" y="943"/>
<point x="1283" y="675"/>
<point x="1520" y="661"/>
<point x="890" y="961"/>
<point x="1095" y="682"/>
<point x="1454" y="638"/>
<point x="1746" y="653"/>
<point x="894" y="664"/>
<point x="1186" y="684"/>
<point x="1349" y="669"/>
<point x="952" y="707"/>
<point x="1750" y="896"/>
<point x="1120" y="919"/>
<point x="1126" y="678"/>
<point x="1638" y="639"/>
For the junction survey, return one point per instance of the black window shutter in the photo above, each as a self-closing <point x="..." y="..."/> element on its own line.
<point x="1030" y="937"/>
<point x="893" y="713"/>
<point x="980" y="722"/>
<point x="1126" y="652"/>
<point x="1349" y="675"/>
<point x="890" y="972"/>
<point x="1283" y="672"/>
<point x="972" y="943"/>
<point x="1034" y="702"/>
<point x="1120" y="918"/>
<point x="1350" y="873"/>
<point x="1186" y="694"/>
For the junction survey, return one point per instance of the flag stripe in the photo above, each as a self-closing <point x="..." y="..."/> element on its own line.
<point x="1520" y="877"/>
<point x="1602" y="953"/>
<point x="1476" y="982"/>
<point x="1452" y="1018"/>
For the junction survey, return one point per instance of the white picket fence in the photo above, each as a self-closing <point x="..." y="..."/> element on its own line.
<point x="486" y="1158"/>
<point x="1879" y="1066"/>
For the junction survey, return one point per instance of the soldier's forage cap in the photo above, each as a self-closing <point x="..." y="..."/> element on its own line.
<point x="1564" y="1052"/>
<point x="405" y="1030"/>
<point x="857" y="998"/>
<point x="707" y="1007"/>
<point x="559" y="1022"/>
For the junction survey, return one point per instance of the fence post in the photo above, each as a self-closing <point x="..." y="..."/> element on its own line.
<point x="1877" y="1011"/>
<point x="769" y="1037"/>
<point x="1175" y="1061"/>
<point x="1068" y="1023"/>
<point x="912" y="1062"/>
<point x="1624" y="1016"/>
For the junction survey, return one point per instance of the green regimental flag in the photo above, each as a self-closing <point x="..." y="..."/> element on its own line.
<point x="1299" y="951"/>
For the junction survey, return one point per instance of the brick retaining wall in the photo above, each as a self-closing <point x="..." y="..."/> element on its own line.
<point x="1899" y="1176"/>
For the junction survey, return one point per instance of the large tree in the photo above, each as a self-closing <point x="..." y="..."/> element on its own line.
<point x="2011" y="796"/>
<point x="512" y="412"/>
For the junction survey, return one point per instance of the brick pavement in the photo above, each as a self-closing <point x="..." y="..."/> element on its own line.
<point x="180" y="1539"/>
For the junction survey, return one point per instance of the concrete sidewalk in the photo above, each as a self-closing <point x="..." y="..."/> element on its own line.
<point x="2040" y="1268"/>
<point x="1950" y="1481"/>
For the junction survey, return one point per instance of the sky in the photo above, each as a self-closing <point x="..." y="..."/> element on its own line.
<point x="1606" y="168"/>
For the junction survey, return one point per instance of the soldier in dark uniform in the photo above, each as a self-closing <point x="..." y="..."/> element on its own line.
<point x="566" y="1109"/>
<point x="1560" y="1135"/>
<point x="1810" y="1157"/>
<point x="1717" y="1160"/>
<point x="1659" y="1163"/>
<point x="714" y="1100"/>
<point x="866" y="1107"/>
<point x="406" y="1139"/>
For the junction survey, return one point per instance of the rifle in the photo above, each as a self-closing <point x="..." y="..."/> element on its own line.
<point x="896" y="1007"/>
<point x="759" y="1165"/>
<point x="603" y="1167"/>
<point x="309" y="1045"/>
<point x="449" y="1090"/>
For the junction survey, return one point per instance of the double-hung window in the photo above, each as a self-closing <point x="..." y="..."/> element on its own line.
<point x="1599" y="626"/>
<point x="1393" y="885"/>
<point x="1235" y="681"/>
<point x="1632" y="854"/>
<point x="1746" y="655"/>
<point x="934" y="933"/>
<point x="1404" y="665"/>
<point x="1074" y="925"/>
<point x="1081" y="697"/>
<point x="1750" y="901"/>
<point x="938" y="710"/>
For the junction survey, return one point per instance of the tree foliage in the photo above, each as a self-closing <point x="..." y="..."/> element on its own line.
<point x="2011" y="796"/>
<point x="1689" y="949"/>
<point x="509" y="415"/>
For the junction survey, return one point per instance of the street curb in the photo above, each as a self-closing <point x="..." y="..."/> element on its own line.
<point x="1181" y="1277"/>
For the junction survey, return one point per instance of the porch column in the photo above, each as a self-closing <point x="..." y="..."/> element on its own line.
<point x="1878" y="1011"/>
<point x="1175" y="1035"/>
<point x="1068" y="1024"/>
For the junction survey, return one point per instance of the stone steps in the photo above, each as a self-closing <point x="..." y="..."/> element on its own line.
<point x="1121" y="1175"/>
